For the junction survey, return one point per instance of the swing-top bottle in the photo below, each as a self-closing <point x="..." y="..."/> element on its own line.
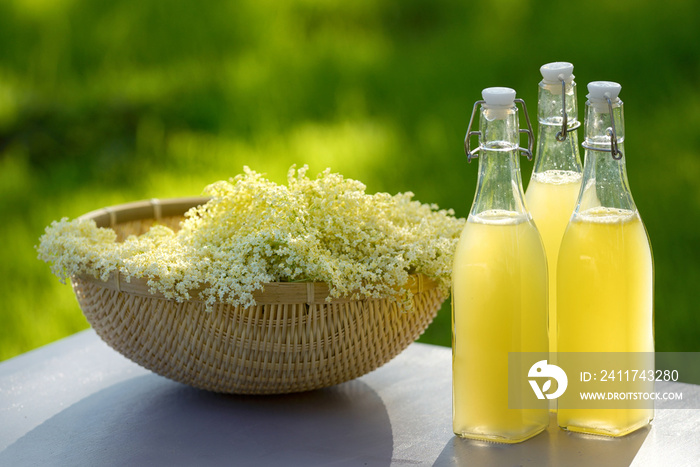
<point x="556" y="177"/>
<point x="605" y="275"/>
<point x="499" y="283"/>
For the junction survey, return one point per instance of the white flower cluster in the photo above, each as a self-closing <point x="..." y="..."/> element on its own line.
<point x="254" y="231"/>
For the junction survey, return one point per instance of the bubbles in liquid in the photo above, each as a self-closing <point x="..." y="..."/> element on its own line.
<point x="499" y="217"/>
<point x="603" y="215"/>
<point x="557" y="177"/>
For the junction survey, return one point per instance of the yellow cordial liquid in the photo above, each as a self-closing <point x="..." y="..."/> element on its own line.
<point x="551" y="198"/>
<point x="499" y="305"/>
<point x="605" y="304"/>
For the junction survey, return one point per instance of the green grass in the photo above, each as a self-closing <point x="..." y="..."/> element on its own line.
<point x="103" y="102"/>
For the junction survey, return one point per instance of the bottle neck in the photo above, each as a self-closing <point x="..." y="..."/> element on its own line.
<point x="553" y="153"/>
<point x="499" y="186"/>
<point x="605" y="183"/>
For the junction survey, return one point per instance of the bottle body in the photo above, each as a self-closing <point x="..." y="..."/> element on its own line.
<point x="499" y="289"/>
<point x="605" y="276"/>
<point x="606" y="283"/>
<point x="551" y="197"/>
<point x="499" y="305"/>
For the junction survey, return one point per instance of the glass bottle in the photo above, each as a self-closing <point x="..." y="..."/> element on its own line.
<point x="605" y="275"/>
<point x="499" y="284"/>
<point x="556" y="177"/>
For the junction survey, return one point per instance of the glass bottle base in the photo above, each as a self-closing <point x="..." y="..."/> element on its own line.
<point x="603" y="430"/>
<point x="506" y="439"/>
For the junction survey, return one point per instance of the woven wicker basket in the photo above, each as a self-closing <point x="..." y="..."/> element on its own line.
<point x="293" y="340"/>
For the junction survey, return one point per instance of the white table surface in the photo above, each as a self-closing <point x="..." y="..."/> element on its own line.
<point x="77" y="402"/>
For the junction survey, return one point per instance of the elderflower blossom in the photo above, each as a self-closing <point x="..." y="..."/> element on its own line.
<point x="253" y="231"/>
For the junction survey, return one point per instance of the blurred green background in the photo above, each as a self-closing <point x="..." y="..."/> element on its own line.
<point x="104" y="102"/>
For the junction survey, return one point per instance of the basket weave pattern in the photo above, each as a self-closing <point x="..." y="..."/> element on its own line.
<point x="292" y="340"/>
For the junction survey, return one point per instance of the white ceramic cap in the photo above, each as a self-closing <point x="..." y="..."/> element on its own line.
<point x="551" y="72"/>
<point x="499" y="97"/>
<point x="599" y="90"/>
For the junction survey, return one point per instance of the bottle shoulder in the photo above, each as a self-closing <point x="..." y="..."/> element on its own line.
<point x="487" y="226"/>
<point x="608" y="228"/>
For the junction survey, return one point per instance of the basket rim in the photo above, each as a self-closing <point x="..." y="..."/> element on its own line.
<point x="154" y="208"/>
<point x="271" y="293"/>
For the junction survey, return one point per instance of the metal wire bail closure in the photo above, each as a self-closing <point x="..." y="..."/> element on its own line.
<point x="530" y="136"/>
<point x="561" y="135"/>
<point x="467" y="149"/>
<point x="616" y="153"/>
